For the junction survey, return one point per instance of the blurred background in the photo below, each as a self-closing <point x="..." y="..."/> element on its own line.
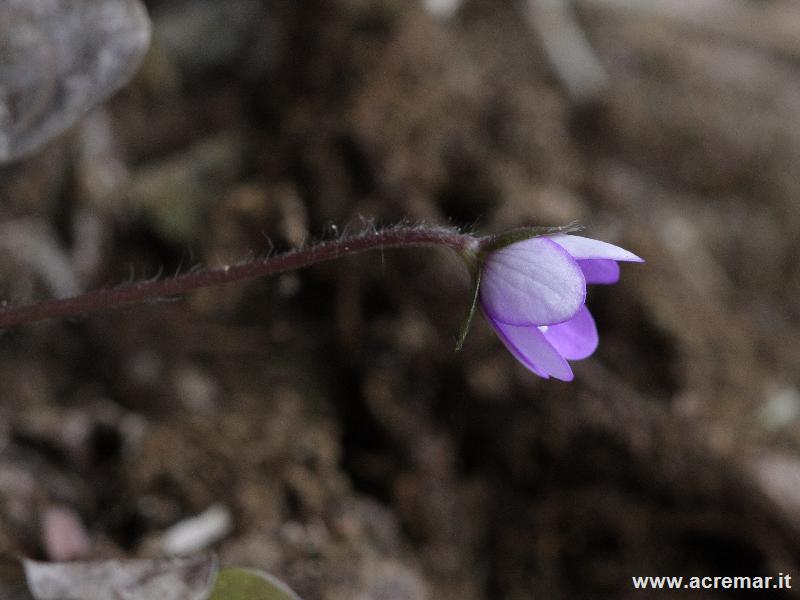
<point x="320" y="423"/>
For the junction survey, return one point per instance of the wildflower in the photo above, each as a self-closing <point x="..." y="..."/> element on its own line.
<point x="533" y="291"/>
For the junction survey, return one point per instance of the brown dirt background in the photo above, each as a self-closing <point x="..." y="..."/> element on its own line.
<point x="359" y="455"/>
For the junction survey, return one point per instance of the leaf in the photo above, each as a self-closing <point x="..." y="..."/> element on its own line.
<point x="166" y="579"/>
<point x="58" y="60"/>
<point x="250" y="584"/>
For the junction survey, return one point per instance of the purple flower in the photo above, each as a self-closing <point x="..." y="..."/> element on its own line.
<point x="533" y="293"/>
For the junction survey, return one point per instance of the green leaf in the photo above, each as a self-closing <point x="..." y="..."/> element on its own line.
<point x="249" y="584"/>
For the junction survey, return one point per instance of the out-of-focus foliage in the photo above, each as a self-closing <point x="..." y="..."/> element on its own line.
<point x="58" y="60"/>
<point x="188" y="578"/>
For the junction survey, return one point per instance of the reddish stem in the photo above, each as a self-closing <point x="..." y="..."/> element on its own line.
<point x="396" y="237"/>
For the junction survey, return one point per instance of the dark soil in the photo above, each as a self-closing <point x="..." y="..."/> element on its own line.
<point x="359" y="455"/>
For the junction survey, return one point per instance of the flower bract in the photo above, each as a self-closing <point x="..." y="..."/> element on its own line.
<point x="533" y="294"/>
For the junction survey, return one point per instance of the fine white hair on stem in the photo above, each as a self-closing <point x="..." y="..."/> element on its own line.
<point x="398" y="236"/>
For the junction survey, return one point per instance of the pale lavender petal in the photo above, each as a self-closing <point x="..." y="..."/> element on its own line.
<point x="601" y="270"/>
<point x="574" y="339"/>
<point x="532" y="282"/>
<point x="529" y="346"/>
<point x="582" y="248"/>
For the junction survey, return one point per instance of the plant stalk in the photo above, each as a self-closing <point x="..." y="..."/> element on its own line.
<point x="142" y="291"/>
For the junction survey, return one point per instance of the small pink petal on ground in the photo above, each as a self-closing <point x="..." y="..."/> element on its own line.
<point x="63" y="534"/>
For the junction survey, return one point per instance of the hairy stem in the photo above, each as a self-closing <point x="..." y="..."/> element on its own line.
<point x="395" y="237"/>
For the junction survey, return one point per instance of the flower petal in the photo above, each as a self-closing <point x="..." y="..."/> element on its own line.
<point x="574" y="339"/>
<point x="601" y="270"/>
<point x="532" y="282"/>
<point x="529" y="346"/>
<point x="582" y="248"/>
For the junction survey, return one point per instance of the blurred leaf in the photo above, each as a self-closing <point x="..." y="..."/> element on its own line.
<point x="249" y="584"/>
<point x="165" y="579"/>
<point x="176" y="192"/>
<point x="58" y="60"/>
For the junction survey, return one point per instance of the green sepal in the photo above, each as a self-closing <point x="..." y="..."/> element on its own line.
<point x="250" y="584"/>
<point x="465" y="325"/>
<point x="501" y="240"/>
